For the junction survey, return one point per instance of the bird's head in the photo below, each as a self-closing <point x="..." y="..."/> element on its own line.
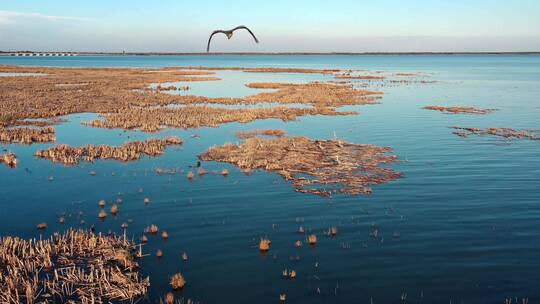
<point x="229" y="35"/>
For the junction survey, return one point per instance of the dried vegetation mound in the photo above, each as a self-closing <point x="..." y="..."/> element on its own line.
<point x="27" y="135"/>
<point x="265" y="132"/>
<point x="321" y="167"/>
<point x="154" y="119"/>
<point x="128" y="152"/>
<point x="74" y="267"/>
<point x="118" y="91"/>
<point x="9" y="159"/>
<point x="498" y="132"/>
<point x="75" y="90"/>
<point x="460" y="110"/>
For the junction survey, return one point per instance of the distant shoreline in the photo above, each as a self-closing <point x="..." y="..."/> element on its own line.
<point x="6" y="53"/>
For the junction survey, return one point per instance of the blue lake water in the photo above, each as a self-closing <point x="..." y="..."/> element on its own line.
<point x="462" y="226"/>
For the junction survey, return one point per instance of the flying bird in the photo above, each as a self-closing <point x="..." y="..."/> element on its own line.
<point x="229" y="34"/>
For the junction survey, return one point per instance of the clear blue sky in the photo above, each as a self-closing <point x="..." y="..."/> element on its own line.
<point x="314" y="25"/>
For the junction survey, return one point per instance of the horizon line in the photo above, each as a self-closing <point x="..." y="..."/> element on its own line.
<point x="90" y="53"/>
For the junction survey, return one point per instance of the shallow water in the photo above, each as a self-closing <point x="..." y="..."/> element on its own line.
<point x="233" y="83"/>
<point x="462" y="225"/>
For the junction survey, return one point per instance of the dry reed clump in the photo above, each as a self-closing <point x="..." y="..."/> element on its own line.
<point x="153" y="229"/>
<point x="321" y="167"/>
<point x="114" y="209"/>
<point x="264" y="244"/>
<point x="254" y="133"/>
<point x="10" y="159"/>
<point x="460" y="110"/>
<point x="106" y="90"/>
<point x="27" y="135"/>
<point x="128" y="152"/>
<point x="154" y="119"/>
<point x="102" y="215"/>
<point x="73" y="267"/>
<point x="177" y="281"/>
<point x="292" y="274"/>
<point x="499" y="132"/>
<point x="173" y="140"/>
<point x="169" y="298"/>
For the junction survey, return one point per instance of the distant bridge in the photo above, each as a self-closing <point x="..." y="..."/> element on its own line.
<point x="40" y="54"/>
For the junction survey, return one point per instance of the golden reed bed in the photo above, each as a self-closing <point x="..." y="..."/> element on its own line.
<point x="74" y="90"/>
<point x="125" y="94"/>
<point x="27" y="135"/>
<point x="73" y="267"/>
<point x="128" y="152"/>
<point x="321" y="167"/>
<point x="323" y="97"/>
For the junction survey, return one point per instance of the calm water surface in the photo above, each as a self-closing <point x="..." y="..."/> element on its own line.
<point x="462" y="226"/>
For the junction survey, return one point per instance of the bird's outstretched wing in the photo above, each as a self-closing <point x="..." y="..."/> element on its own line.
<point x="246" y="28"/>
<point x="210" y="39"/>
